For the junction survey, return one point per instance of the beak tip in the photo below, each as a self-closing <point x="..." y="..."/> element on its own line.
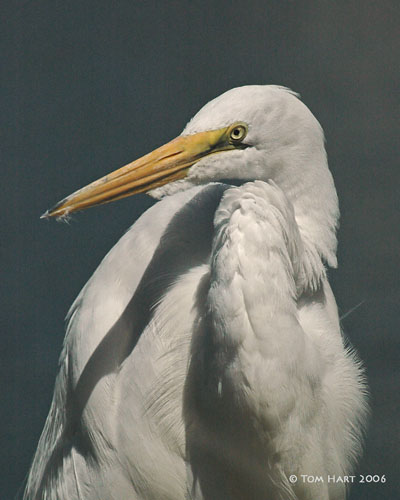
<point x="55" y="211"/>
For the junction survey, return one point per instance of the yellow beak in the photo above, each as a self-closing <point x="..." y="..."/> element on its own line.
<point x="165" y="164"/>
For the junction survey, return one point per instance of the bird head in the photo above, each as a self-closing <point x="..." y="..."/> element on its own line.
<point x="254" y="132"/>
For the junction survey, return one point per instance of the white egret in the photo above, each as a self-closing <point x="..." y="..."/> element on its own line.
<point x="204" y="358"/>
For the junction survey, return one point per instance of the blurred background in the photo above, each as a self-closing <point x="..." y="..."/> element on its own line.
<point x="89" y="86"/>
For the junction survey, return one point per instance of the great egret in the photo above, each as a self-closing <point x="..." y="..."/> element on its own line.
<point x="204" y="357"/>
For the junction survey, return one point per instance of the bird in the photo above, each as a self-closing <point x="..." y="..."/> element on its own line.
<point x="204" y="359"/>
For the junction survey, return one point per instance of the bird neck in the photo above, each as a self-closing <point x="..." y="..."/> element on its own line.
<point x="315" y="204"/>
<point x="250" y="325"/>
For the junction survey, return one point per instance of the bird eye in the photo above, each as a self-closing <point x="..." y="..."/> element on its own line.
<point x="238" y="132"/>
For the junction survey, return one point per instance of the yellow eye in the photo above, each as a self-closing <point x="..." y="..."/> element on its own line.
<point x="238" y="132"/>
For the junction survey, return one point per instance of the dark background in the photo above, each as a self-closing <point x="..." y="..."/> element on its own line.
<point x="89" y="86"/>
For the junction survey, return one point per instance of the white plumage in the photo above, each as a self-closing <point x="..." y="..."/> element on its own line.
<point x="204" y="358"/>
